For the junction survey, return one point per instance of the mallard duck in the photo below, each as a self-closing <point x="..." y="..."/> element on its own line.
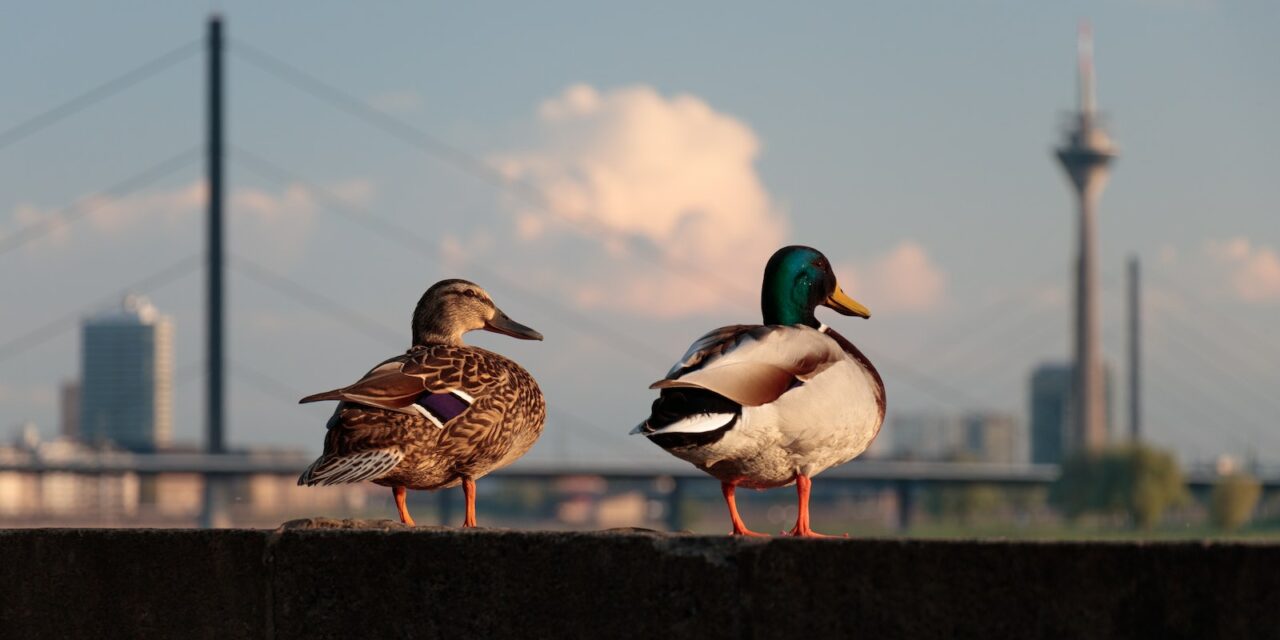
<point x="441" y="414"/>
<point x="774" y="404"/>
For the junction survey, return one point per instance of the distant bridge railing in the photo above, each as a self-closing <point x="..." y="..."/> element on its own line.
<point x="288" y="463"/>
<point x="902" y="477"/>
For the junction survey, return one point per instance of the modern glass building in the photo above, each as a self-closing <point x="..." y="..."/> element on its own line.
<point x="126" y="369"/>
<point x="1051" y="404"/>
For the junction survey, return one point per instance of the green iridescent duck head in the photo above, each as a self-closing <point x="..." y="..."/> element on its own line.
<point x="796" y="281"/>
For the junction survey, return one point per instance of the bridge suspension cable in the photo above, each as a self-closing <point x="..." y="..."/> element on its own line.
<point x="1189" y="401"/>
<point x="463" y="160"/>
<point x="315" y="300"/>
<point x="535" y="197"/>
<point x="1228" y="372"/>
<point x="413" y="241"/>
<point x="1227" y="411"/>
<point x="101" y="92"/>
<point x="977" y="319"/>
<point x="411" y="134"/>
<point x="341" y="313"/>
<point x="88" y="204"/>
<point x="51" y="329"/>
<point x="1257" y="337"/>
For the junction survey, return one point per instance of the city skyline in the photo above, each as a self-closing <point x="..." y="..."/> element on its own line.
<point x="906" y="223"/>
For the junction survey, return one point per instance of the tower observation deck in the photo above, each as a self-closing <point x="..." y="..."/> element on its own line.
<point x="1086" y="154"/>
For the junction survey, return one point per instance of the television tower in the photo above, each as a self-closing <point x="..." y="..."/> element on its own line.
<point x="1085" y="155"/>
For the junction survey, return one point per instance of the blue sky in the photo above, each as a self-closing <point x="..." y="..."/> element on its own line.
<point x="909" y="141"/>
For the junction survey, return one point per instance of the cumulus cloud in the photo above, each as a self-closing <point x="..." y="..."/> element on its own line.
<point x="650" y="178"/>
<point x="902" y="280"/>
<point x="1252" y="272"/>
<point x="281" y="212"/>
<point x="107" y="213"/>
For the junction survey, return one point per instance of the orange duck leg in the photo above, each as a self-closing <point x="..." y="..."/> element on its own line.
<point x="399" y="493"/>
<point x="739" y="527"/>
<point x="469" y="492"/>
<point x="803" y="487"/>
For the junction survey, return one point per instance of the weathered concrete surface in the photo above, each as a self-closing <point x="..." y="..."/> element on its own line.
<point x="100" y="583"/>
<point x="333" y="579"/>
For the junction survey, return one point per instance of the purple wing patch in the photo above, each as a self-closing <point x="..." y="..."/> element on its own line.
<point x="440" y="408"/>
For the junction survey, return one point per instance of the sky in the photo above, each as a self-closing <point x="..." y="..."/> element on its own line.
<point x="617" y="176"/>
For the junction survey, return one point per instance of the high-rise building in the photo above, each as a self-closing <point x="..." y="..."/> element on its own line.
<point x="989" y="437"/>
<point x="126" y="368"/>
<point x="975" y="436"/>
<point x="1085" y="156"/>
<point x="1050" y="398"/>
<point x="69" y="408"/>
<point x="1052" y="408"/>
<point x="918" y="436"/>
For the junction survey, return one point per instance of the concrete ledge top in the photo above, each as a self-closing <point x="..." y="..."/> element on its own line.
<point x="325" y="578"/>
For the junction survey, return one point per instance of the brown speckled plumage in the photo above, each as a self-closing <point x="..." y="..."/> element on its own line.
<point x="442" y="414"/>
<point x="499" y="427"/>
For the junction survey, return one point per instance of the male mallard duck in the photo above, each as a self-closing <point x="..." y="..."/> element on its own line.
<point x="765" y="406"/>
<point x="441" y="414"/>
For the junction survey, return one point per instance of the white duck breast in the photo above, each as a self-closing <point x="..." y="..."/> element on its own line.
<point x="807" y="403"/>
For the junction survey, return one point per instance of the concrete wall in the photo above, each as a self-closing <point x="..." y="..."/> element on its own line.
<point x="317" y="580"/>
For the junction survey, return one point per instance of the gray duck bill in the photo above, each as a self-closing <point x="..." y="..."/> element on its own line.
<point x="501" y="323"/>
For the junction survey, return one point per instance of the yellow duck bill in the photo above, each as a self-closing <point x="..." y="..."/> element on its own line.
<point x="841" y="302"/>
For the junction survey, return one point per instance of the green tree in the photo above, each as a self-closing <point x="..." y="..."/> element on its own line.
<point x="1140" y="481"/>
<point x="964" y="504"/>
<point x="1233" y="500"/>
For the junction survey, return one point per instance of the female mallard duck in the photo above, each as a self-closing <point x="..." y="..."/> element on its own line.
<point x="765" y="406"/>
<point x="440" y="415"/>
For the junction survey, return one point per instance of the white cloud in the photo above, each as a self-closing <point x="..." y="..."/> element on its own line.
<point x="280" y="214"/>
<point x="1251" y="272"/>
<point x="646" y="174"/>
<point x="903" y="279"/>
<point x="456" y="251"/>
<point x="108" y="214"/>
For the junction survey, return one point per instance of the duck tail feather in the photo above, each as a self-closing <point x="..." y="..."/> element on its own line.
<point x="336" y="394"/>
<point x="357" y="467"/>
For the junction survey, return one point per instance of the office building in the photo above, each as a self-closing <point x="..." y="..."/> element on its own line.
<point x="126" y="368"/>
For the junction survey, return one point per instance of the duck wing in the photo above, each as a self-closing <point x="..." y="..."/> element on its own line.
<point x="432" y="382"/>
<point x="752" y="364"/>
<point x="382" y="412"/>
<point x="864" y="362"/>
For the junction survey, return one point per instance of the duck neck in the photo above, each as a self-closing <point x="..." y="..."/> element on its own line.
<point x="432" y="325"/>
<point x="429" y="337"/>
<point x="782" y="310"/>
